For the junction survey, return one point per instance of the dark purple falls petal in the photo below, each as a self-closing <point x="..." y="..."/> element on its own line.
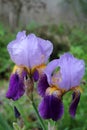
<point x="74" y="103"/>
<point x="44" y="108"/>
<point x="16" y="112"/>
<point x="36" y="75"/>
<point x="16" y="87"/>
<point x="51" y="108"/>
<point x="42" y="85"/>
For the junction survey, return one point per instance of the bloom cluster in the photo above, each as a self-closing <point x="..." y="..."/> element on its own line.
<point x="54" y="80"/>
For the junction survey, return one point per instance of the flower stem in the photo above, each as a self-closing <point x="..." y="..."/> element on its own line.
<point x="39" y="118"/>
<point x="31" y="98"/>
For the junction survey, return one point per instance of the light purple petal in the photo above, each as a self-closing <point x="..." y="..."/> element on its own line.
<point x="72" y="71"/>
<point x="38" y="54"/>
<point x="28" y="51"/>
<point x="42" y="85"/>
<point x="74" y="103"/>
<point x="21" y="35"/>
<point x="34" y="52"/>
<point x="51" y="108"/>
<point x="16" y="87"/>
<point x="46" y="47"/>
<point x="50" y="68"/>
<point x="18" y="49"/>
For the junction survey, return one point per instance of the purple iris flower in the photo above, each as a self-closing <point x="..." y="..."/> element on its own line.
<point x="31" y="53"/>
<point x="60" y="76"/>
<point x="29" y="50"/>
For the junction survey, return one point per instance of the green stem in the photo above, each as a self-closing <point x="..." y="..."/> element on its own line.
<point x="39" y="118"/>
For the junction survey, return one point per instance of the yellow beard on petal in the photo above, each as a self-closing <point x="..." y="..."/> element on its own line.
<point x="19" y="69"/>
<point x="54" y="91"/>
<point x="77" y="88"/>
<point x="40" y="68"/>
<point x="15" y="69"/>
<point x="55" y="80"/>
<point x="50" y="90"/>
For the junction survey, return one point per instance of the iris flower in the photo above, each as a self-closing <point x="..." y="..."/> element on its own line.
<point x="30" y="54"/>
<point x="60" y="76"/>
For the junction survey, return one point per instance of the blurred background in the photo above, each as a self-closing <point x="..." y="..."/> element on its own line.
<point x="64" y="23"/>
